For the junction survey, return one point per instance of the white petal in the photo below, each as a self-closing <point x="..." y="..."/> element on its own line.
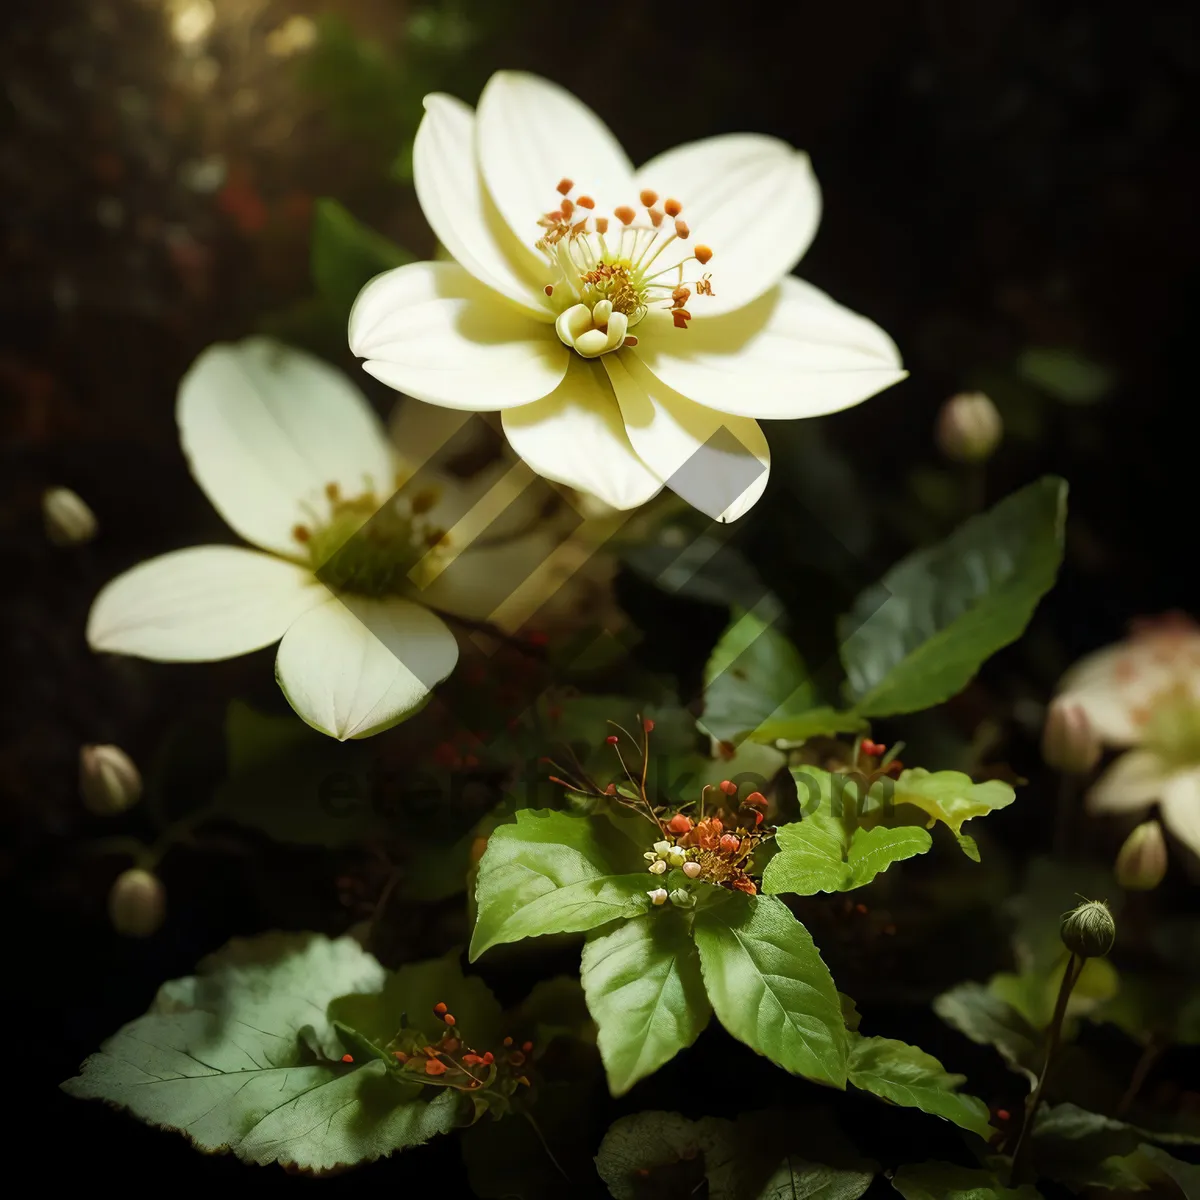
<point x="265" y="428"/>
<point x="353" y="667"/>
<point x="432" y="331"/>
<point x="462" y="215"/>
<point x="576" y="436"/>
<point x="753" y="200"/>
<point x="792" y="353"/>
<point x="716" y="462"/>
<point x="1181" y="807"/>
<point x="1133" y="781"/>
<point x="201" y="604"/>
<point x="529" y="135"/>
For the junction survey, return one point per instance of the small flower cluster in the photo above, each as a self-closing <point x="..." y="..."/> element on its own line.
<point x="452" y="1062"/>
<point x="714" y="849"/>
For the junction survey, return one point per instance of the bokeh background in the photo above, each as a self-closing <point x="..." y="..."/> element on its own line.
<point x="1010" y="190"/>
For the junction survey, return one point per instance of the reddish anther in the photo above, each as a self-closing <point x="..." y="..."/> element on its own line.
<point x="703" y="254"/>
<point x="347" y="1058"/>
<point x="757" y="799"/>
<point x="874" y="749"/>
<point x="527" y="1047"/>
<point x="624" y="214"/>
<point x="679" y="823"/>
<point x="648" y="197"/>
<point x="488" y="1059"/>
<point x="648" y="725"/>
<point x="440" y="1008"/>
<point x="586" y="202"/>
<point x="672" y="208"/>
<point x="564" y="186"/>
<point x="449" y="1019"/>
<point x="612" y="739"/>
<point x="729" y="787"/>
<point x="730" y="843"/>
<point x="435" y="1066"/>
<point x="400" y="1056"/>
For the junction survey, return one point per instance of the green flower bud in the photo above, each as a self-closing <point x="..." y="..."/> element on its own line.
<point x="68" y="520"/>
<point x="108" y="780"/>
<point x="1089" y="930"/>
<point x="1142" y="861"/>
<point x="969" y="427"/>
<point x="658" y="867"/>
<point x="137" y="904"/>
<point x="682" y="898"/>
<point x="676" y="857"/>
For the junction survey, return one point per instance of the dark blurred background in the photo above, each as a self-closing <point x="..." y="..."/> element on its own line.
<point x="1010" y="190"/>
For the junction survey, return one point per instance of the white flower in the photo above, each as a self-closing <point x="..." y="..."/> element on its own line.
<point x="619" y="319"/>
<point x="1144" y="693"/>
<point x="293" y="458"/>
<point x="658" y="896"/>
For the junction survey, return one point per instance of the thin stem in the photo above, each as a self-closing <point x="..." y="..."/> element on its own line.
<point x="545" y="1146"/>
<point x="1070" y="977"/>
<point x="1150" y="1055"/>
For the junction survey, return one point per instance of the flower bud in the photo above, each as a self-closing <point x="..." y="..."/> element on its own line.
<point x="658" y="867"/>
<point x="969" y="428"/>
<point x="691" y="869"/>
<point x="1142" y="861"/>
<point x="682" y="898"/>
<point x="137" y="904"/>
<point x="729" y="843"/>
<point x="108" y="780"/>
<point x="676" y="857"/>
<point x="68" y="520"/>
<point x="658" y="896"/>
<point x="1069" y="743"/>
<point x="1089" y="930"/>
<point x="679" y="823"/>
<point x="662" y="847"/>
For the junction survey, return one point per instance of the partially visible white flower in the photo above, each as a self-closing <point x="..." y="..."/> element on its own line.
<point x="658" y="896"/>
<point x="293" y="458"/>
<point x="631" y="325"/>
<point x="1144" y="693"/>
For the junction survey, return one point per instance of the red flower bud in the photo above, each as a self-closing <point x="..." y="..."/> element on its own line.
<point x="435" y="1066"/>
<point x="729" y="787"/>
<point x="757" y="799"/>
<point x="679" y="823"/>
<point x="347" y="1058"/>
<point x="730" y="844"/>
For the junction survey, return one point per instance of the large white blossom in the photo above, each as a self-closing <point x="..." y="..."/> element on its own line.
<point x="618" y="318"/>
<point x="293" y="458"/>
<point x="1143" y="695"/>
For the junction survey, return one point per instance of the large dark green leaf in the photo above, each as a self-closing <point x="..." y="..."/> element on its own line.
<point x="941" y="1181"/>
<point x="555" y="873"/>
<point x="976" y="1011"/>
<point x="918" y="636"/>
<point x="346" y="254"/>
<point x="829" y="851"/>
<point x="243" y="1058"/>
<point x="645" y="992"/>
<point x="908" y="1076"/>
<point x="770" y="987"/>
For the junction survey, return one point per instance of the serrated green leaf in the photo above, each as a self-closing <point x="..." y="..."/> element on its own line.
<point x="908" y="1076"/>
<point x="976" y="1011"/>
<point x="637" y="1148"/>
<point x="942" y="1181"/>
<point x="554" y="873"/>
<point x="950" y="796"/>
<point x="242" y="1058"/>
<point x="828" y="851"/>
<point x="769" y="986"/>
<point x="821" y="721"/>
<point x="918" y="636"/>
<point x="644" y="989"/>
<point x="346" y="254"/>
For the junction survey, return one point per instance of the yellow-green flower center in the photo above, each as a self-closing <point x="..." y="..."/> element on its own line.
<point x="367" y="548"/>
<point x="1172" y="727"/>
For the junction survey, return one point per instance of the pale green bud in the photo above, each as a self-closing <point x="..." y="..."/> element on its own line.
<point x="682" y="898"/>
<point x="661" y="848"/>
<point x="676" y="857"/>
<point x="1142" y="860"/>
<point x="1069" y="743"/>
<point x="969" y="427"/>
<point x="658" y="867"/>
<point x="68" y="520"/>
<point x="108" y="780"/>
<point x="1089" y="930"/>
<point x="137" y="903"/>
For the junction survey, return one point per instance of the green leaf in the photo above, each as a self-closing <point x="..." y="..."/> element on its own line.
<point x="828" y="851"/>
<point x="941" y="1181"/>
<point x="909" y="1077"/>
<point x="293" y="784"/>
<point x="918" y="636"/>
<point x="1187" y="1175"/>
<point x="976" y="1011"/>
<point x="644" y="989"/>
<point x="949" y="796"/>
<point x="796" y="1179"/>
<point x="242" y="1058"/>
<point x="822" y="721"/>
<point x="346" y="254"/>
<point x="554" y="873"/>
<point x="1085" y="1149"/>
<point x="753" y="674"/>
<point x="769" y="986"/>
<point x="1066" y="374"/>
<point x="644" y="1151"/>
